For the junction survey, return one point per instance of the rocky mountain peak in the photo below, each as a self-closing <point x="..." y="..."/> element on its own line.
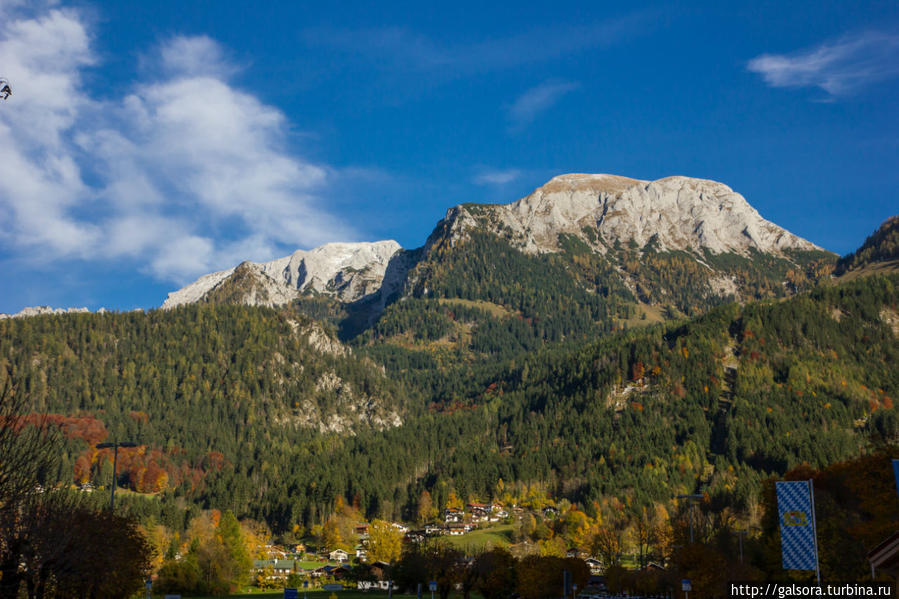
<point x="347" y="271"/>
<point x="675" y="213"/>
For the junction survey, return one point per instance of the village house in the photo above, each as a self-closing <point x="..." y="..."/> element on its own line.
<point x="274" y="569"/>
<point x="452" y="514"/>
<point x="338" y="555"/>
<point x="480" y="512"/>
<point x="275" y="552"/>
<point x="595" y="565"/>
<point x="415" y="536"/>
<point x="457" y="528"/>
<point x="335" y="572"/>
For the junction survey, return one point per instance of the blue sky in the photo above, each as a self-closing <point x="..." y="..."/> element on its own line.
<point x="147" y="143"/>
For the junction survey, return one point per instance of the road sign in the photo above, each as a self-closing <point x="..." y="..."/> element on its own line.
<point x="432" y="586"/>
<point x="686" y="585"/>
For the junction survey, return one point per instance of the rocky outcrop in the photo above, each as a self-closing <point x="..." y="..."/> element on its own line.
<point x="346" y="271"/>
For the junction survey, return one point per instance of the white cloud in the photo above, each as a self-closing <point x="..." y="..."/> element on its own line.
<point x="497" y="177"/>
<point x="191" y="56"/>
<point x="838" y="67"/>
<point x="181" y="175"/>
<point x="536" y="100"/>
<point x="42" y="58"/>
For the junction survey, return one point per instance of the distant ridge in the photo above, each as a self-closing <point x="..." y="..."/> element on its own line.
<point x="879" y="252"/>
<point x="674" y="214"/>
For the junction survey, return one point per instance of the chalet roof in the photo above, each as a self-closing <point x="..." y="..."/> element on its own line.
<point x="332" y="569"/>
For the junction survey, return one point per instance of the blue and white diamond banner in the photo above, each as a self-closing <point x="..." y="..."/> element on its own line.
<point x="797" y="529"/>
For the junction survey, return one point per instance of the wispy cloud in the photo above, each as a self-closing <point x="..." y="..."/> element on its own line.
<point x="839" y="67"/>
<point x="400" y="49"/>
<point x="496" y="177"/>
<point x="186" y="173"/>
<point x="536" y="100"/>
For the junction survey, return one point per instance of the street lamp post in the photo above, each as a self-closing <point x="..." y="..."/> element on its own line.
<point x="115" y="457"/>
<point x="693" y="499"/>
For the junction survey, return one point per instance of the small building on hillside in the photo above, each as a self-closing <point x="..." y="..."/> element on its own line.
<point x="335" y="572"/>
<point x="594" y="564"/>
<point x="457" y="528"/>
<point x="452" y="514"/>
<point x="400" y="527"/>
<point x="415" y="536"/>
<point x="274" y="569"/>
<point x="338" y="555"/>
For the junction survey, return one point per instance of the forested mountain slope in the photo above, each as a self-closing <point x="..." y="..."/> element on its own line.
<point x="222" y="396"/>
<point x="201" y="384"/>
<point x="720" y="400"/>
<point x="880" y="252"/>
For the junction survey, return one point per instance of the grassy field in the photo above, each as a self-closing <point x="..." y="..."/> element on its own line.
<point x="480" y="540"/>
<point x="495" y="310"/>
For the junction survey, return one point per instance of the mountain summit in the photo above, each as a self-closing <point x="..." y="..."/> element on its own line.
<point x="679" y="241"/>
<point x="674" y="213"/>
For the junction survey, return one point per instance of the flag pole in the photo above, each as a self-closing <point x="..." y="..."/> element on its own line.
<point x="811" y="490"/>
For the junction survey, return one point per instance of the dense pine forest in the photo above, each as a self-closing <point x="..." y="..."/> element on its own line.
<point x="231" y="405"/>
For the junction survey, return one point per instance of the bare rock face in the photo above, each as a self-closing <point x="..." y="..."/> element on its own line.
<point x="675" y="213"/>
<point x="347" y="271"/>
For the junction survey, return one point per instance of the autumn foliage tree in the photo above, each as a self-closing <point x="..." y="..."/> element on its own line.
<point x="217" y="560"/>
<point x="385" y="543"/>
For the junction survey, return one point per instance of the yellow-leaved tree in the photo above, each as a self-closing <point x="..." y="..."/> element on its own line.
<point x="384" y="542"/>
